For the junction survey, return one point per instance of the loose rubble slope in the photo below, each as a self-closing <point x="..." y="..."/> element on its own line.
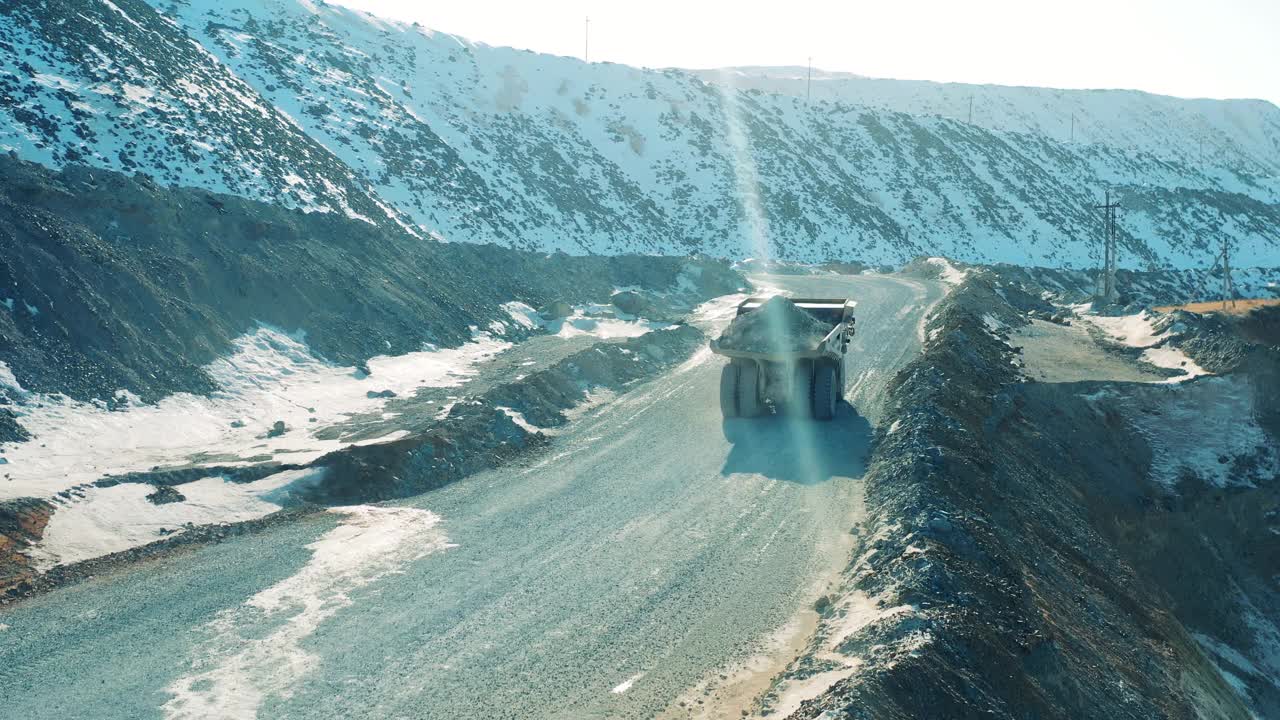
<point x="111" y="282"/>
<point x="1024" y="557"/>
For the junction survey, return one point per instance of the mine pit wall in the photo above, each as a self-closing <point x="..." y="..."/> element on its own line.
<point x="1043" y="576"/>
<point x="138" y="287"/>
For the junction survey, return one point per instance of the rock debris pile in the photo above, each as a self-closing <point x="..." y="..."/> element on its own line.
<point x="777" y="326"/>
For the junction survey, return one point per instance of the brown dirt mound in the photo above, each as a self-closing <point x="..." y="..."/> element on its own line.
<point x="1236" y="307"/>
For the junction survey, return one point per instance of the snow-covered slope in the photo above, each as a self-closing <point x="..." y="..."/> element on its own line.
<point x="115" y="86"/>
<point x="1243" y="134"/>
<point x="476" y="143"/>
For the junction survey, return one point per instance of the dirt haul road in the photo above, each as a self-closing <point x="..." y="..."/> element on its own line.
<point x="640" y="555"/>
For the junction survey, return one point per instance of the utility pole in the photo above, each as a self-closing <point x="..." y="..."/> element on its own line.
<point x="970" y="109"/>
<point x="1073" y="127"/>
<point x="586" y="40"/>
<point x="1228" y="287"/>
<point x="1108" y="279"/>
<point x="808" y="81"/>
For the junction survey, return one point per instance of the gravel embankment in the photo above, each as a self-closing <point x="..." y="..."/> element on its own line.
<point x="994" y="578"/>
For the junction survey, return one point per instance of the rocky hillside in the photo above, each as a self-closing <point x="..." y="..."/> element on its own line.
<point x="1062" y="549"/>
<point x="325" y="109"/>
<point x="1165" y="287"/>
<point x="109" y="283"/>
<point x="1242" y="134"/>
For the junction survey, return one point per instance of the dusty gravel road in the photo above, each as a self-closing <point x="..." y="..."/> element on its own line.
<point x="605" y="577"/>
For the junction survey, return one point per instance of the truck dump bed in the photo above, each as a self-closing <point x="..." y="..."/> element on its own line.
<point x="837" y="313"/>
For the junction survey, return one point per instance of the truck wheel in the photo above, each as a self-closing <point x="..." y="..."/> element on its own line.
<point x="729" y="391"/>
<point x="801" y="388"/>
<point x="749" y="402"/>
<point x="824" y="391"/>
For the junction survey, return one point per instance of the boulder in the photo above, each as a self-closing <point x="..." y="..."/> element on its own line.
<point x="165" y="494"/>
<point x="631" y="303"/>
<point x="556" y="310"/>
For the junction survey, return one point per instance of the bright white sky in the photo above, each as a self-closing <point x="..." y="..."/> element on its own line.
<point x="1190" y="48"/>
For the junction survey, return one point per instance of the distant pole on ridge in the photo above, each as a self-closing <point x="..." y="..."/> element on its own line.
<point x="808" y="81"/>
<point x="1073" y="127"/>
<point x="970" y="109"/>
<point x="586" y="40"/>
<point x="1228" y="288"/>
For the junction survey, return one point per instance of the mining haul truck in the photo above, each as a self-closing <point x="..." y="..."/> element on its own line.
<point x="807" y="378"/>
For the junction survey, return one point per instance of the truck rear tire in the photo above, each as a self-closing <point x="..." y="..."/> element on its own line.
<point x="824" y="391"/>
<point x="729" y="391"/>
<point x="750" y="404"/>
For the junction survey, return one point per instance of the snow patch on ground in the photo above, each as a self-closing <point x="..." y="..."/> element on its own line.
<point x="602" y="321"/>
<point x="8" y="379"/>
<point x="112" y="519"/>
<point x="56" y="82"/>
<point x="1266" y="643"/>
<point x="1223" y="652"/>
<point x="1139" y="331"/>
<point x="518" y="418"/>
<point x="796" y="692"/>
<point x="1258" y="664"/>
<point x="1173" y="359"/>
<point x="602" y="327"/>
<point x="1132" y="330"/>
<point x="625" y="685"/>
<point x="855" y="612"/>
<point x="947" y="272"/>
<point x="270" y="377"/>
<point x="523" y="315"/>
<point x="1208" y="429"/>
<point x="716" y="313"/>
<point x="253" y="652"/>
